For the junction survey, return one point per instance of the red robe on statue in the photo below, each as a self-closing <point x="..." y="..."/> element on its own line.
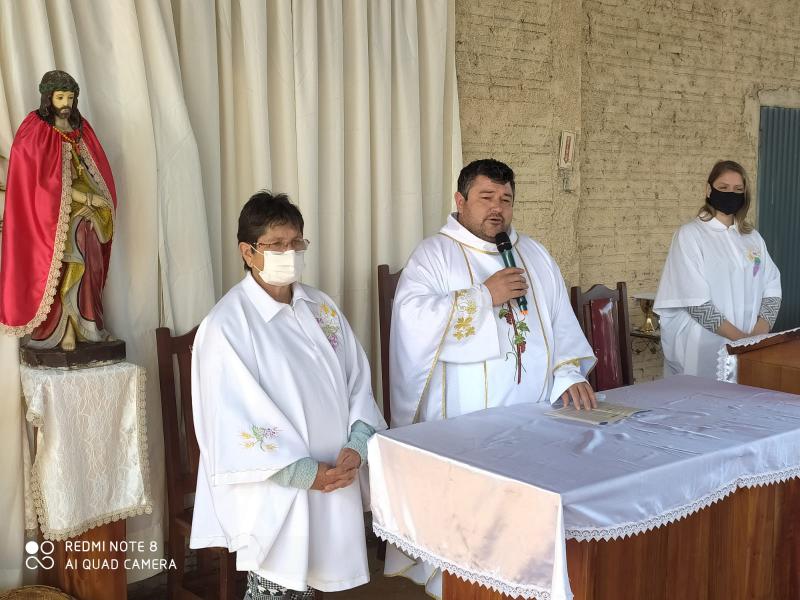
<point x="37" y="223"/>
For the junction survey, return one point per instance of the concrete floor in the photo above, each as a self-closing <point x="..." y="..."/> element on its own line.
<point x="379" y="587"/>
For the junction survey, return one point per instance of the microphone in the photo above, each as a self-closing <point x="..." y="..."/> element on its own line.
<point x="504" y="246"/>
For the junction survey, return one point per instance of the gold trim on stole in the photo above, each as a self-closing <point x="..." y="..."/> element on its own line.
<point x="435" y="358"/>
<point x="444" y="390"/>
<point x="485" y="386"/>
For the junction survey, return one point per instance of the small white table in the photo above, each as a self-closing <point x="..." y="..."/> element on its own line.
<point x="90" y="471"/>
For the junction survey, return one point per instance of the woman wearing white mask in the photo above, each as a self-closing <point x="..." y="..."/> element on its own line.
<point x="283" y="409"/>
<point x="719" y="282"/>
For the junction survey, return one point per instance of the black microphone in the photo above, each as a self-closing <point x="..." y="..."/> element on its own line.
<point x="504" y="247"/>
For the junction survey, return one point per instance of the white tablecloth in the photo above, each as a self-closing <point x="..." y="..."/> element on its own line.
<point x="482" y="495"/>
<point x="91" y="463"/>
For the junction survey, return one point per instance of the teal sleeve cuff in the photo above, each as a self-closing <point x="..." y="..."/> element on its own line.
<point x="300" y="474"/>
<point x="360" y="433"/>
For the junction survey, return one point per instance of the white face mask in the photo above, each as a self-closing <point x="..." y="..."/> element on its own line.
<point x="282" y="268"/>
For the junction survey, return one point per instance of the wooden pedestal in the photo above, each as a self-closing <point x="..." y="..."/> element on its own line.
<point x="86" y="354"/>
<point x="82" y="574"/>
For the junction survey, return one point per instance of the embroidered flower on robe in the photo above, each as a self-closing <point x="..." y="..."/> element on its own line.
<point x="261" y="436"/>
<point x="329" y="323"/>
<point x="517" y="334"/>
<point x="754" y="256"/>
<point x="466" y="308"/>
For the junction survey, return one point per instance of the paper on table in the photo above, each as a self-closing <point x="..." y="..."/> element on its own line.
<point x="604" y="414"/>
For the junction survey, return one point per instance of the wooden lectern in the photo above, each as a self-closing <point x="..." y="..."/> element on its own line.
<point x="773" y="363"/>
<point x="745" y="547"/>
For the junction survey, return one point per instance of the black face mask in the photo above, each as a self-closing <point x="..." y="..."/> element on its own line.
<point x="726" y="202"/>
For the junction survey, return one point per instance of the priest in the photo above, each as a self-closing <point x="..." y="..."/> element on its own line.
<point x="469" y="333"/>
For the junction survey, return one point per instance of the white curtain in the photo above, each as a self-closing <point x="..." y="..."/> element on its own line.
<point x="349" y="106"/>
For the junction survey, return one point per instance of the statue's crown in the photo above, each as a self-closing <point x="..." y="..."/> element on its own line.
<point x="53" y="81"/>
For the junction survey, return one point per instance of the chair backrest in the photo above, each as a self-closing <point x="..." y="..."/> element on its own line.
<point x="603" y="317"/>
<point x="181" y="451"/>
<point x="387" y="285"/>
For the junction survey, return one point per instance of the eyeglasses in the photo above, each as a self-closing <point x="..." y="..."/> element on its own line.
<point x="298" y="245"/>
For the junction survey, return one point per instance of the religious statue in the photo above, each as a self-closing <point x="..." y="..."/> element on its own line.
<point x="58" y="224"/>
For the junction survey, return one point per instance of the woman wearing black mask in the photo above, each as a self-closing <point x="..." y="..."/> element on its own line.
<point x="719" y="282"/>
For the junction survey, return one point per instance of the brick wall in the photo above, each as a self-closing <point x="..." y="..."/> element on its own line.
<point x="518" y="67"/>
<point x="658" y="90"/>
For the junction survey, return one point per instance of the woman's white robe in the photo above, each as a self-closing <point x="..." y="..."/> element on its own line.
<point x="273" y="383"/>
<point x="710" y="262"/>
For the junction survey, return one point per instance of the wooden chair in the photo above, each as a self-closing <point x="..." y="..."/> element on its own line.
<point x="182" y="456"/>
<point x="603" y="317"/>
<point x="387" y="286"/>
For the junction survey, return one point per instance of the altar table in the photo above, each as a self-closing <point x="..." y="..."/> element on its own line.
<point x="493" y="496"/>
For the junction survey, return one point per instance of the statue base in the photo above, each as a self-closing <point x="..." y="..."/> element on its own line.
<point x="86" y="354"/>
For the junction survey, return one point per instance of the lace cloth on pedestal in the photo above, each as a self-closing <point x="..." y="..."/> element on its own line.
<point x="91" y="464"/>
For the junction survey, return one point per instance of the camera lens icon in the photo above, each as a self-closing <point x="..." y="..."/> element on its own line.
<point x="33" y="561"/>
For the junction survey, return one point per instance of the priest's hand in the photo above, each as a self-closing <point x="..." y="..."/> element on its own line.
<point x="506" y="284"/>
<point x="581" y="394"/>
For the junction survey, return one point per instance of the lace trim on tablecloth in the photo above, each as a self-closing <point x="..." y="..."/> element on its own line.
<point x="727" y="366"/>
<point x="40" y="504"/>
<point x="631" y="529"/>
<point x="526" y="591"/>
<point x="144" y="453"/>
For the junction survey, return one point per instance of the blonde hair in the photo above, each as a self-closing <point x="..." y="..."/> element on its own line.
<point x="708" y="212"/>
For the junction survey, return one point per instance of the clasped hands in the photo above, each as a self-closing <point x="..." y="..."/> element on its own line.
<point x="733" y="333"/>
<point x="330" y="478"/>
<point x="89" y="199"/>
<point x="89" y="202"/>
<point x="761" y="327"/>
